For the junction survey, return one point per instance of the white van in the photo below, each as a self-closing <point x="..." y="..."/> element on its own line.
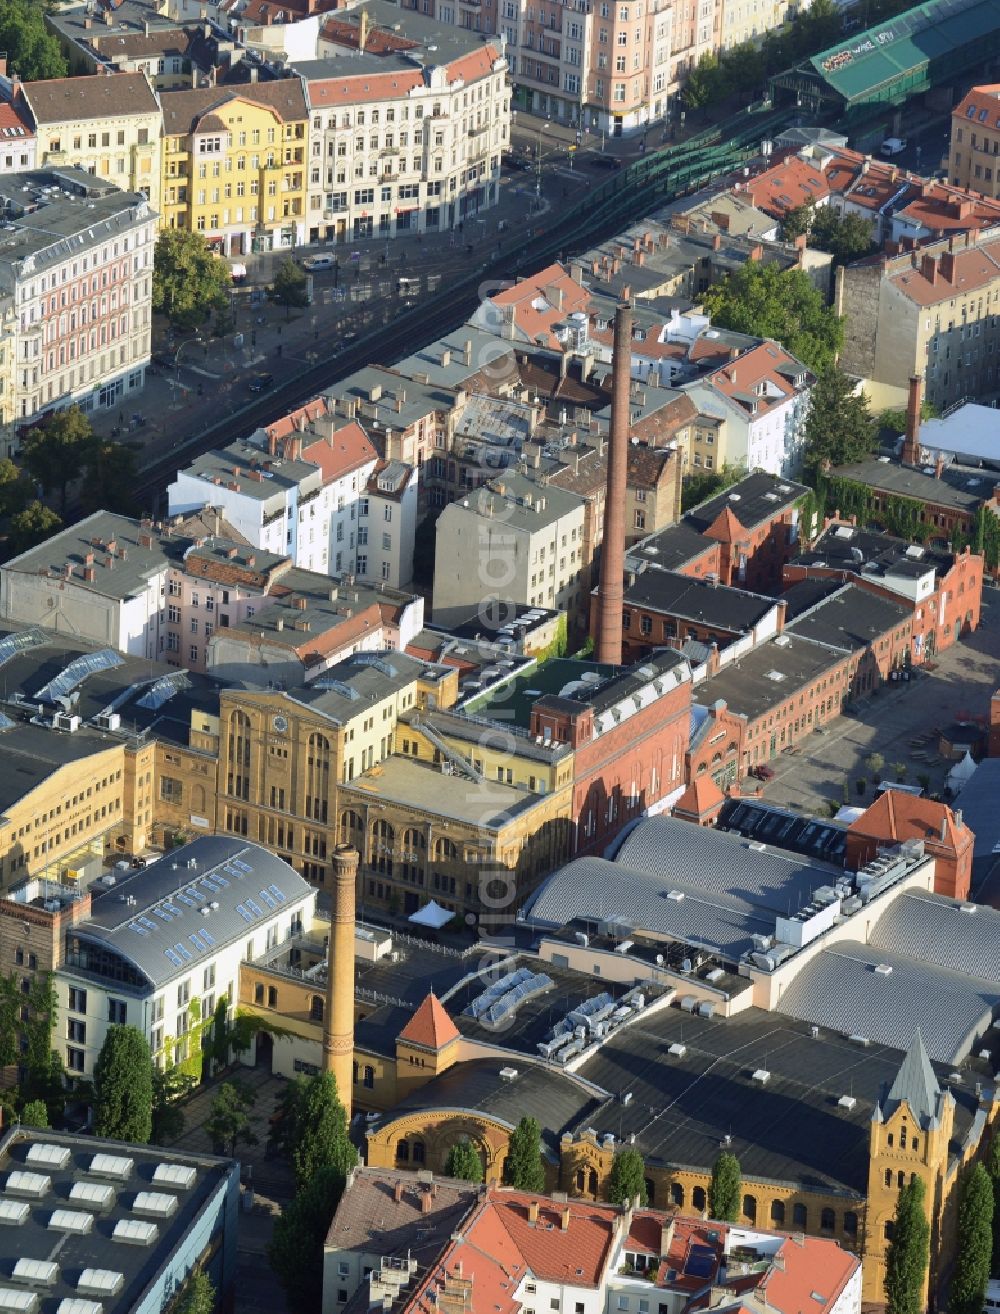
<point x="312" y="263"/>
<point x="893" y="146"/>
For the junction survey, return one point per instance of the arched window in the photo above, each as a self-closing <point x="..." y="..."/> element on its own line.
<point x="650" y="1192"/>
<point x="901" y="1180"/>
<point x="403" y="1151"/>
<point x="369" y="1077"/>
<point x="258" y="993"/>
<point x="750" y="1208"/>
<point x="351" y="828"/>
<point x="445" y="850"/>
<point x="592" y="1181"/>
<point x="778" y="1212"/>
<point x="383" y="840"/>
<point x="800" y="1216"/>
<point x="677" y="1194"/>
<point x="581" y="1179"/>
<point x="889" y="1230"/>
<point x="850" y="1223"/>
<point x="238" y="775"/>
<point x="318" y="777"/>
<point x="827" y="1220"/>
<point x="316" y="1005"/>
<point x="698" y="1199"/>
<point x="888" y="1177"/>
<point x="414" y="856"/>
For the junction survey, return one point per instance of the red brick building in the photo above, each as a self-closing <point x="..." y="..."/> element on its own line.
<point x="896" y="817"/>
<point x="629" y="734"/>
<point x="741" y="537"/>
<point x="943" y="589"/>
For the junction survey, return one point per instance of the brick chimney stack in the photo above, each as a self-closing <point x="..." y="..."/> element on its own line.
<point x="911" y="441"/>
<point x="338" y="1015"/>
<point x="611" y="595"/>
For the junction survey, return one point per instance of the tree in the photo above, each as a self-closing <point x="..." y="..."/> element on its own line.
<point x="31" y="48"/>
<point x="32" y="526"/>
<point x="123" y="1086"/>
<point x="797" y="221"/>
<point x="15" y="490"/>
<point x="906" y="1258"/>
<point x="967" y="1293"/>
<point x="784" y="304"/>
<point x="724" y="1189"/>
<point x="894" y="419"/>
<point x="523" y="1166"/>
<point x="45" y="1084"/>
<point x="993" y="1168"/>
<point x="464" y="1162"/>
<point x="839" y="427"/>
<point x="189" y="280"/>
<point x="320" y="1136"/>
<point x="198" y="1296"/>
<point x="703" y="82"/>
<point x="55" y="450"/>
<point x="35" y="1114"/>
<point x="169" y="1086"/>
<point x="289" y="287"/>
<point x="875" y="763"/>
<point x="628" y="1178"/>
<point x="229" y="1121"/>
<point x="703" y="484"/>
<point x="845" y="236"/>
<point x="296" y="1249"/>
<point x="110" y="477"/>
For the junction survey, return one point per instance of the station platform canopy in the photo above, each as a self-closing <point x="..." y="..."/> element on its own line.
<point x="918" y="49"/>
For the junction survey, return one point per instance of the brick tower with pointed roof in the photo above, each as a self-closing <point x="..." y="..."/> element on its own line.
<point x="426" y="1046"/>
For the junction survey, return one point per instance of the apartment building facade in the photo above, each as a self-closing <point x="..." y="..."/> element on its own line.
<point x="79" y="290"/>
<point x="933" y="312"/>
<point x="109" y="126"/>
<point x="406" y="127"/>
<point x="234" y="164"/>
<point x="974" y="145"/>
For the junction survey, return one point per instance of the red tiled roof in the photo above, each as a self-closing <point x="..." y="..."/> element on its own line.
<point x="377" y="42"/>
<point x="534" y="306"/>
<point x="741" y="377"/>
<point x="348" y="449"/>
<point x="726" y="527"/>
<point x="700" y="798"/>
<point x="897" y="817"/>
<point x="19" y="124"/>
<point x="430" y="1026"/>
<point x="971" y="268"/>
<point x="791" y="183"/>
<point x="813" y="1266"/>
<point x="982" y="99"/>
<point x="395" y="84"/>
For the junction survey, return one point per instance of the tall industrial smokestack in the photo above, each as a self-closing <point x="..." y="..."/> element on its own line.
<point x="611" y="594"/>
<point x="911" y="441"/>
<point x="338" y="1016"/>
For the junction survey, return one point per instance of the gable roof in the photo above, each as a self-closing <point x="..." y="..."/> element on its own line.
<point x="430" y="1026"/>
<point x="183" y="111"/>
<point x="915" y="1084"/>
<point x="102" y="96"/>
<point x="897" y="816"/>
<point x="701" y="797"/>
<point x="347" y="449"/>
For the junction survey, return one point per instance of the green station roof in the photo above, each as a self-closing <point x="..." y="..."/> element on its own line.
<point x="932" y="34"/>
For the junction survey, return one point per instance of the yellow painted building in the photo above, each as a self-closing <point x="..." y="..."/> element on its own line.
<point x="107" y="125"/>
<point x="234" y="164"/>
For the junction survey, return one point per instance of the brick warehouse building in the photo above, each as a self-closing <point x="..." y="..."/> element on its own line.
<point x="629" y="735"/>
<point x="943" y="589"/>
<point x="897" y="817"/>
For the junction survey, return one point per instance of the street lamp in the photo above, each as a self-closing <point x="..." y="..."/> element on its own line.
<point x="538" y="162"/>
<point x="177" y="358"/>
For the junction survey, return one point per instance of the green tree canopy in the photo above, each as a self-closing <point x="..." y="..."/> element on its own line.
<point x="32" y="526"/>
<point x="993" y="1168"/>
<point x="35" y="1114"/>
<point x="31" y="48"/>
<point x="464" y="1162"/>
<point x="703" y="83"/>
<point x="228" y="1123"/>
<point x="770" y="302"/>
<point x="797" y="221"/>
<point x="15" y="490"/>
<point x="289" y="287"/>
<point x="839" y="427"/>
<point x="703" y="484"/>
<point x="967" y="1293"/>
<point x="123" y="1086"/>
<point x="907" y="1256"/>
<point x="109" y="479"/>
<point x="845" y="236"/>
<point x="198" y="1296"/>
<point x="628" y="1178"/>
<point x="296" y="1249"/>
<point x="523" y="1166"/>
<point x="56" y="450"/>
<point x="320" y="1136"/>
<point x="189" y="280"/>
<point x="169" y="1086"/>
<point x="724" y="1189"/>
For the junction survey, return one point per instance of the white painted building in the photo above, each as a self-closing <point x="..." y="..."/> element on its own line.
<point x="390" y="525"/>
<point x="163" y="946"/>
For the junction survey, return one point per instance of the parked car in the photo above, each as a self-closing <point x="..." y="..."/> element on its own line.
<point x="762" y="772"/>
<point x="893" y="146"/>
<point x="606" y="162"/>
<point x="312" y="263"/>
<point x="261" y="382"/>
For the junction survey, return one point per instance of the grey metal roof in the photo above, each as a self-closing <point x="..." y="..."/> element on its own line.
<point x="964" y="937"/>
<point x="170" y="896"/>
<point x="915" y="1084"/>
<point x="848" y="987"/>
<point x="980" y="802"/>
<point x="666" y="591"/>
<point x="851" y="617"/>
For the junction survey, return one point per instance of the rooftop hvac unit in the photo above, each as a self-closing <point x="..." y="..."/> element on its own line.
<point x="863" y="1041"/>
<point x="883" y="969"/>
<point x="762" y="1076"/>
<point x="508" y="1074"/>
<point x="847" y="1102"/>
<point x="109" y="720"/>
<point x="626" y="1097"/>
<point x="63" y="721"/>
<point x="677" y="1049"/>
